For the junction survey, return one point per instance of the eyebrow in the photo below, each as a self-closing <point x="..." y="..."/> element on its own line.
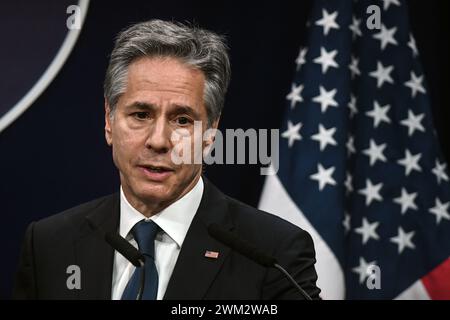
<point x="141" y="106"/>
<point x="180" y="109"/>
<point x="177" y="109"/>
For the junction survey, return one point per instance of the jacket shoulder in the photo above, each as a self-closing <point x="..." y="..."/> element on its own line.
<point x="71" y="217"/>
<point x="290" y="245"/>
<point x="260" y="217"/>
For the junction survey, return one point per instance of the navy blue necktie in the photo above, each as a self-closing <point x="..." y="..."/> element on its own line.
<point x="144" y="232"/>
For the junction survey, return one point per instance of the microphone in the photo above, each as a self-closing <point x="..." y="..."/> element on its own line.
<point x="125" y="248"/>
<point x="130" y="253"/>
<point x="250" y="251"/>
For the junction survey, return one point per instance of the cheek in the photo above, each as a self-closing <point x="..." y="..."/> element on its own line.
<point x="126" y="144"/>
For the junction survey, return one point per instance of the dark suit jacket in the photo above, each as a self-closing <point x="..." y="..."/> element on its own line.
<point x="54" y="243"/>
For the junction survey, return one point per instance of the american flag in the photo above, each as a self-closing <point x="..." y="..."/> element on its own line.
<point x="360" y="164"/>
<point x="211" y="254"/>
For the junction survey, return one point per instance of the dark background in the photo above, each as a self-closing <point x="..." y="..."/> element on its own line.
<point x="54" y="156"/>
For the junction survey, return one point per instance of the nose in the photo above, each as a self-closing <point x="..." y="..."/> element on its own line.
<point x="158" y="138"/>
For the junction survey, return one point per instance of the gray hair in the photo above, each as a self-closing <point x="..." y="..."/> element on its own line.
<point x="199" y="48"/>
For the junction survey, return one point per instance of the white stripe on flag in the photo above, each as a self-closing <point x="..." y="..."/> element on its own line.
<point x="274" y="199"/>
<point x="415" y="292"/>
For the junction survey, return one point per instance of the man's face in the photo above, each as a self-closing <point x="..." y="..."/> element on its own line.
<point x="162" y="95"/>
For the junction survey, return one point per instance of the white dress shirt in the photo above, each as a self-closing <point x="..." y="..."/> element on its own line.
<point x="174" y="222"/>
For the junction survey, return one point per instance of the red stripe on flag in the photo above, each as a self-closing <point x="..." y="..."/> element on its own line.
<point x="437" y="282"/>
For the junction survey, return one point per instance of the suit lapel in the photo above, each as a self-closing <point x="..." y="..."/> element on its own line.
<point x="193" y="272"/>
<point x="94" y="256"/>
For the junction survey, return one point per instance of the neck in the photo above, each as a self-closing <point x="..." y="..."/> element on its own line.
<point x="150" y="207"/>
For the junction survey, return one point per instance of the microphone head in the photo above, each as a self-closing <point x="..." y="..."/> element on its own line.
<point x="240" y="245"/>
<point x="120" y="245"/>
<point x="125" y="248"/>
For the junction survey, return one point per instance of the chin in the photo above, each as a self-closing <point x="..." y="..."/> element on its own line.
<point x="155" y="192"/>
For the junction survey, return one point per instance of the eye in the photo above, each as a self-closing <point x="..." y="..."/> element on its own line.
<point x="183" y="121"/>
<point x="140" y="115"/>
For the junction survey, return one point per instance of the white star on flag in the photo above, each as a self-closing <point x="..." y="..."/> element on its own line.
<point x="353" y="66"/>
<point x="324" y="176"/>
<point x="301" y="58"/>
<point x="406" y="200"/>
<point x="326" y="99"/>
<point x="386" y="36"/>
<point x="403" y="240"/>
<point x="371" y="192"/>
<point x="350" y="145"/>
<point x="346" y="223"/>
<point x="379" y="114"/>
<point x="368" y="230"/>
<point x="415" y="84"/>
<point x="412" y="45"/>
<point x="363" y="269"/>
<point x="440" y="210"/>
<point x="326" y="59"/>
<point x="355" y="28"/>
<point x="292" y="133"/>
<point x="375" y="152"/>
<point x="410" y="162"/>
<point x="382" y="74"/>
<point x="352" y="105"/>
<point x="348" y="183"/>
<point x="328" y="21"/>
<point x="295" y="95"/>
<point x="325" y="137"/>
<point x="413" y="122"/>
<point x="439" y="171"/>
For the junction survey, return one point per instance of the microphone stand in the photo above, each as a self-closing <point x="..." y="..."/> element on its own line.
<point x="300" y="289"/>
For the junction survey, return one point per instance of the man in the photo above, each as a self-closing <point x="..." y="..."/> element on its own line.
<point x="162" y="78"/>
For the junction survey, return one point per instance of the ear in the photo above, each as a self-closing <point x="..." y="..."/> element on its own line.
<point x="108" y="131"/>
<point x="215" y="124"/>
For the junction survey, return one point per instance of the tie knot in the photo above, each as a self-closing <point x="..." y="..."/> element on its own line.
<point x="144" y="232"/>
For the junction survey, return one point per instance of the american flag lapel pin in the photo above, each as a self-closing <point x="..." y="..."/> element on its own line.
<point x="211" y="254"/>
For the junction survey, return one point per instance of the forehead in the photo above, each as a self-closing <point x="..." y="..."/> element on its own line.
<point x="165" y="76"/>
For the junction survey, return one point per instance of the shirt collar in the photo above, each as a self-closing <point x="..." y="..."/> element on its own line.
<point x="173" y="220"/>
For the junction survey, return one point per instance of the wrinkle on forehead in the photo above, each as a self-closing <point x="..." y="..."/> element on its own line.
<point x="164" y="73"/>
<point x="159" y="79"/>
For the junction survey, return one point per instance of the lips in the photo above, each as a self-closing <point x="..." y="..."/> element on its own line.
<point x="157" y="169"/>
<point x="156" y="173"/>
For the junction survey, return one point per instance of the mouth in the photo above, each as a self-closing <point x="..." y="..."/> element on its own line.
<point x="156" y="172"/>
<point x="156" y="169"/>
